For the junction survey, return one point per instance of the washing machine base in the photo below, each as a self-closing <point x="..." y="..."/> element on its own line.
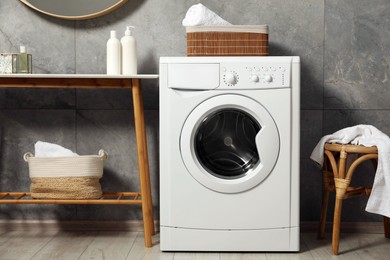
<point x="183" y="239"/>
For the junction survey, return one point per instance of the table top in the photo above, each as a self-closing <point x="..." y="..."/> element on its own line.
<point x="80" y="76"/>
<point x="70" y="80"/>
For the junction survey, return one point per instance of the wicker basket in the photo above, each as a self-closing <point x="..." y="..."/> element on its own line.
<point x="234" y="40"/>
<point x="66" y="177"/>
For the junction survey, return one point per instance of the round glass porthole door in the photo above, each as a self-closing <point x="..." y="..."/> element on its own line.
<point x="224" y="143"/>
<point x="229" y="143"/>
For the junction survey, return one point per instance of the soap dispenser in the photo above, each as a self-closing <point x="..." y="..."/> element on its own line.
<point x="129" y="53"/>
<point x="113" y="55"/>
<point x="22" y="62"/>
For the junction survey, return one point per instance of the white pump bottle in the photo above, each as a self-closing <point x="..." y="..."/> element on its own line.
<point x="129" y="53"/>
<point x="113" y="55"/>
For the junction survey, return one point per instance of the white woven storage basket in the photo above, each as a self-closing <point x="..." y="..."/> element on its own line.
<point x="66" y="177"/>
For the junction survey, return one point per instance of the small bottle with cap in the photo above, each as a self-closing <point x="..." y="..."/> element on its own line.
<point x="22" y="62"/>
<point x="113" y="55"/>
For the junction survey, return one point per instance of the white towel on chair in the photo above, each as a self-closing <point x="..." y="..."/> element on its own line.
<point x="366" y="135"/>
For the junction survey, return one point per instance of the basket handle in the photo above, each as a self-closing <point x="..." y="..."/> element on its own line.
<point x="27" y="155"/>
<point x="103" y="154"/>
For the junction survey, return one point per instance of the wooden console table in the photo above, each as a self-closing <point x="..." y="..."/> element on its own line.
<point x="143" y="197"/>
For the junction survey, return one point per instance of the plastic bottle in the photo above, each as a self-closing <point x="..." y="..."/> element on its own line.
<point x="113" y="55"/>
<point x="129" y="53"/>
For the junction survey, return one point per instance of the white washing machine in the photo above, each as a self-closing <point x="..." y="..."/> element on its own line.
<point x="229" y="153"/>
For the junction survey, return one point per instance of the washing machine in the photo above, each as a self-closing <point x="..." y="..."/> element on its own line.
<point x="229" y="153"/>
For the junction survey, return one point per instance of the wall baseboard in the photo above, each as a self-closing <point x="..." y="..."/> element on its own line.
<point x="137" y="226"/>
<point x="21" y="225"/>
<point x="346" y="227"/>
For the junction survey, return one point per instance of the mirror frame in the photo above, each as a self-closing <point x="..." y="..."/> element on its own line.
<point x="81" y="17"/>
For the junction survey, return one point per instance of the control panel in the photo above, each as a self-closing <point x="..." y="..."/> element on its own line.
<point x="256" y="75"/>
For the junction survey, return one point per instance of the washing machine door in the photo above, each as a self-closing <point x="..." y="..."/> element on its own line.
<point x="229" y="143"/>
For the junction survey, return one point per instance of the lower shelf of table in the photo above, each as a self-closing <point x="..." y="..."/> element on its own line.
<point x="108" y="198"/>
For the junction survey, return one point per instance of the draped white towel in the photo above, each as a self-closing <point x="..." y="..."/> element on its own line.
<point x="44" y="149"/>
<point x="200" y="15"/>
<point x="366" y="135"/>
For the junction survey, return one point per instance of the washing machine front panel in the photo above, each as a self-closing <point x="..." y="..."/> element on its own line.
<point x="191" y="211"/>
<point x="229" y="143"/>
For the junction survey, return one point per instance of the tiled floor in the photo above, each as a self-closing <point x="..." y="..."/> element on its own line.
<point x="130" y="245"/>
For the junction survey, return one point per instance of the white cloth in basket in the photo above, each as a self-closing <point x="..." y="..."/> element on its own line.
<point x="43" y="149"/>
<point x="201" y="15"/>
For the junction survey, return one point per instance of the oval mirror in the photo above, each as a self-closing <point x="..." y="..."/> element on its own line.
<point x="74" y="9"/>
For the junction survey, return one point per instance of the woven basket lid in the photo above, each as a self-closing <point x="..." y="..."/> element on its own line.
<point x="230" y="28"/>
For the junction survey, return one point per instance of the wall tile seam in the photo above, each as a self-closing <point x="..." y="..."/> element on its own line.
<point x="356" y="109"/>
<point x="345" y="109"/>
<point x="323" y="66"/>
<point x="71" y="109"/>
<point x="311" y="109"/>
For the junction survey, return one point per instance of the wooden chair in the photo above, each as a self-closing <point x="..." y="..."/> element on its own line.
<point x="337" y="177"/>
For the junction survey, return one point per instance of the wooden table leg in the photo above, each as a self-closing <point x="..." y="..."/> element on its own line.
<point x="386" y="221"/>
<point x="143" y="162"/>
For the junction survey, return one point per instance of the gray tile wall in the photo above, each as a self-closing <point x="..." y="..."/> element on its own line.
<point x="344" y="47"/>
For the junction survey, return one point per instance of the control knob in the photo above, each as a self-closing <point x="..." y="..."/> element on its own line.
<point x="231" y="78"/>
<point x="255" y="78"/>
<point x="268" y="78"/>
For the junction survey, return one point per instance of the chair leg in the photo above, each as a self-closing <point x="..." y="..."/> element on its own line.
<point x="324" y="209"/>
<point x="386" y="222"/>
<point x="328" y="186"/>
<point x="341" y="188"/>
<point x="336" y="226"/>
